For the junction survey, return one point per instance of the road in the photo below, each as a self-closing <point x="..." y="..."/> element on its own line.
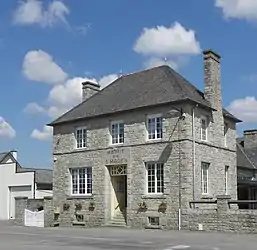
<point x="14" y="238"/>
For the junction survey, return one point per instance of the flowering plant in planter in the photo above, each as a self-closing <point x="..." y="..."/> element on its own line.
<point x="78" y="206"/>
<point x="66" y="206"/>
<point x="142" y="206"/>
<point x="91" y="206"/>
<point x="163" y="206"/>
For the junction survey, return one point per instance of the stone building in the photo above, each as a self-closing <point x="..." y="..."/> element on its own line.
<point x="138" y="151"/>
<point x="247" y="167"/>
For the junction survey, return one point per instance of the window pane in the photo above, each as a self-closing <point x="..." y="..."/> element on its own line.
<point x="81" y="181"/>
<point x="160" y="178"/>
<point x="155" y="178"/>
<point x="81" y="137"/>
<point x="159" y="127"/>
<point x="89" y="181"/>
<point x="151" y="178"/>
<point x="74" y="181"/>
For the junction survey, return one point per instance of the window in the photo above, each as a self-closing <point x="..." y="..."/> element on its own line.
<point x="117" y="133"/>
<point x="154" y="127"/>
<point x="225" y="133"/>
<point x="226" y="179"/>
<point x="81" y="137"/>
<point x="205" y="177"/>
<point x="81" y="179"/>
<point x="204" y="125"/>
<point x="154" y="221"/>
<point x="155" y="178"/>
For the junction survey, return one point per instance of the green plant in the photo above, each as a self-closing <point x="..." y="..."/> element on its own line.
<point x="66" y="206"/>
<point x="78" y="206"/>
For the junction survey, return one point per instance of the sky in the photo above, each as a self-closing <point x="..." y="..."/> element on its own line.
<point x="48" y="48"/>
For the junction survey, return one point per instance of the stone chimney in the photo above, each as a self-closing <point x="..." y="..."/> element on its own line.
<point x="250" y="138"/>
<point x="89" y="89"/>
<point x="212" y="82"/>
<point x="14" y="154"/>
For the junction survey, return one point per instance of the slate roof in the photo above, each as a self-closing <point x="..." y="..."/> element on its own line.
<point x="155" y="86"/>
<point x="2" y="155"/>
<point x="43" y="176"/>
<point x="246" y="158"/>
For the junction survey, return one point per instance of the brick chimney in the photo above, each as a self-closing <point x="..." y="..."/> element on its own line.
<point x="250" y="138"/>
<point x="88" y="89"/>
<point x="212" y="82"/>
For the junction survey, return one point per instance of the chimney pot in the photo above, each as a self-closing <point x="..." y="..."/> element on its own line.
<point x="89" y="88"/>
<point x="14" y="154"/>
<point x="250" y="138"/>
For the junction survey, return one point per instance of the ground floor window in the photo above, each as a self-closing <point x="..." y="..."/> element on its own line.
<point x="155" y="178"/>
<point x="81" y="179"/>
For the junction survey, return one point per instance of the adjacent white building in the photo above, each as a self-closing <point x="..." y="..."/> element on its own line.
<point x="16" y="181"/>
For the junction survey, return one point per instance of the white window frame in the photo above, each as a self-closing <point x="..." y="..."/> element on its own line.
<point x="120" y="139"/>
<point x="226" y="179"/>
<point x="205" y="183"/>
<point x="86" y="193"/>
<point x="155" y="134"/>
<point x="84" y="140"/>
<point x="155" y="164"/>
<point x="225" y="133"/>
<point x="204" y="131"/>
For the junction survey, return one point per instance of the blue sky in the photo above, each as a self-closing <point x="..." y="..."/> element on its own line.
<point x="49" y="47"/>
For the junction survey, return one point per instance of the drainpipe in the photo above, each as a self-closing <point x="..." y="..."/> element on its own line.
<point x="193" y="133"/>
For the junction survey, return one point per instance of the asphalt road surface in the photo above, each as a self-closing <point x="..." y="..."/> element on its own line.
<point x="21" y="238"/>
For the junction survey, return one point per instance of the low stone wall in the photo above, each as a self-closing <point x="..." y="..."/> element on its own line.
<point x="222" y="219"/>
<point x="22" y="203"/>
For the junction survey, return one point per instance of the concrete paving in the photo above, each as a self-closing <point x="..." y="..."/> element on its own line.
<point x="14" y="238"/>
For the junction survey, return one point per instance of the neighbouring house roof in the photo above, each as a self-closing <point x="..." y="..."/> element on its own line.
<point x="42" y="176"/>
<point x="155" y="86"/>
<point x="246" y="158"/>
<point x="3" y="155"/>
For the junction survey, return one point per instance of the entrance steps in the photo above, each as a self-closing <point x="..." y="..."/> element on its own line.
<point x="118" y="220"/>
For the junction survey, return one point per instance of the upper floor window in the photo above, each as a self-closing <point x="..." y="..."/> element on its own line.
<point x="205" y="177"/>
<point x="155" y="178"/>
<point x="81" y="137"/>
<point x="155" y="127"/>
<point x="81" y="180"/>
<point x="225" y="133"/>
<point x="204" y="126"/>
<point x="117" y="132"/>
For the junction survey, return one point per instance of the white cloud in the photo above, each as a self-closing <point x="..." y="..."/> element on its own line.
<point x="66" y="92"/>
<point x="30" y="12"/>
<point x="40" y="66"/>
<point x="6" y="129"/>
<point x="106" y="80"/>
<point x="44" y="135"/>
<point x="162" y="41"/>
<point x="34" y="108"/>
<point x="241" y="9"/>
<point x="245" y="109"/>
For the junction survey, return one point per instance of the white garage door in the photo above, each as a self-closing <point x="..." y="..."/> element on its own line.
<point x="17" y="191"/>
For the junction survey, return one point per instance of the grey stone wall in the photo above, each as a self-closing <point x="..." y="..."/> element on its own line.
<point x="221" y="218"/>
<point x="175" y="150"/>
<point x="22" y="203"/>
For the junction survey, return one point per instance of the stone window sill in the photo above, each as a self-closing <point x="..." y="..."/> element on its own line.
<point x="153" y="196"/>
<point x="152" y="227"/>
<point x="78" y="223"/>
<point x="206" y="196"/>
<point x="83" y="197"/>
